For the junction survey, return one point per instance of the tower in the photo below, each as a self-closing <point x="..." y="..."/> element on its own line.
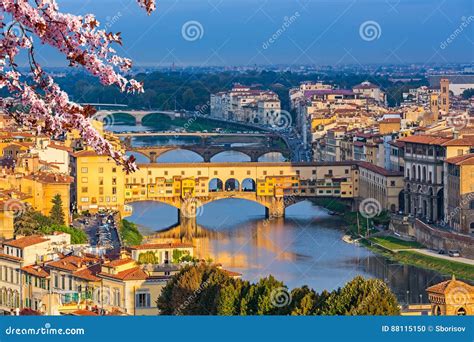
<point x="444" y="85"/>
<point x="434" y="106"/>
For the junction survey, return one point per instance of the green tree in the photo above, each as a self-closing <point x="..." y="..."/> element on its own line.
<point x="147" y="258"/>
<point x="30" y="221"/>
<point x="57" y="214"/>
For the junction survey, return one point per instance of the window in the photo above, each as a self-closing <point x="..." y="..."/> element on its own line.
<point x="471" y="204"/>
<point x="114" y="169"/>
<point x="84" y="179"/>
<point x="84" y="199"/>
<point x="142" y="300"/>
<point x="84" y="189"/>
<point x="84" y="169"/>
<point x="392" y="183"/>
<point x="101" y="170"/>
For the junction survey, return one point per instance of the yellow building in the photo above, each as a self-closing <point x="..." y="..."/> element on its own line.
<point x="100" y="183"/>
<point x="389" y="125"/>
<point x="42" y="187"/>
<point x="451" y="298"/>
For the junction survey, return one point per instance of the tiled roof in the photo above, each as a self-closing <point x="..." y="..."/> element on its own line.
<point x="118" y="262"/>
<point x="442" y="287"/>
<point x="37" y="271"/>
<point x="25" y="241"/>
<point x="466" y="141"/>
<point x="45" y="177"/>
<point x="467" y="159"/>
<point x="425" y="140"/>
<point x="72" y="263"/>
<point x="89" y="273"/>
<point x="380" y="170"/>
<point x="10" y="257"/>
<point x="134" y="273"/>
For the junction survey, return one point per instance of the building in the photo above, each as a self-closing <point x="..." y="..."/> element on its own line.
<point x="457" y="84"/>
<point x="424" y="157"/>
<point x="444" y="95"/>
<point x="100" y="183"/>
<point x="245" y="104"/>
<point x="131" y="288"/>
<point x="42" y="187"/>
<point x="370" y="90"/>
<point x="451" y="298"/>
<point x="459" y="193"/>
<point x="382" y="185"/>
<point x="165" y="253"/>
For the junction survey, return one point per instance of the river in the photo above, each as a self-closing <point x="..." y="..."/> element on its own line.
<point x="304" y="248"/>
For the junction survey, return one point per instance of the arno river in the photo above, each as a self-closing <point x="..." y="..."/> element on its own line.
<point x="304" y="248"/>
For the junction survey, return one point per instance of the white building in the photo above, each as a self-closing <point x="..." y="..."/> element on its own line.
<point x="372" y="91"/>
<point x="242" y="104"/>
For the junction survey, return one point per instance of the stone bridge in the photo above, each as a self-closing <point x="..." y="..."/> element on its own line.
<point x="107" y="115"/>
<point x="208" y="152"/>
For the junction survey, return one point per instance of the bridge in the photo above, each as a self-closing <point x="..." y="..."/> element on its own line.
<point x="208" y="152"/>
<point x="191" y="134"/>
<point x="138" y="115"/>
<point x="275" y="186"/>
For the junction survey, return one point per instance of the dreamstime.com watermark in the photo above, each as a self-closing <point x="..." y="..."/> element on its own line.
<point x="45" y="330"/>
<point x="465" y="22"/>
<point x="287" y="22"/>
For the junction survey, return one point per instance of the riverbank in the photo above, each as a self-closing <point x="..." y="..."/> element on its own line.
<point x="393" y="248"/>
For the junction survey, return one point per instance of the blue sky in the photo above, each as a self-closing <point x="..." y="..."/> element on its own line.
<point x="322" y="32"/>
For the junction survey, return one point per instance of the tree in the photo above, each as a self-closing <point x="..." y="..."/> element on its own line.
<point x="57" y="214"/>
<point x="37" y="101"/>
<point x="206" y="290"/>
<point x="468" y="93"/>
<point x="29" y="222"/>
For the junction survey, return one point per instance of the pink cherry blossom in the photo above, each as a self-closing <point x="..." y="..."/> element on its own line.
<point x="36" y="101"/>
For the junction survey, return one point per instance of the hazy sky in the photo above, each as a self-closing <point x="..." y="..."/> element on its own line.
<point x="237" y="32"/>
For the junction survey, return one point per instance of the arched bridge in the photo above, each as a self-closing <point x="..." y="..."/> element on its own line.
<point x="138" y="115"/>
<point x="275" y="186"/>
<point x="208" y="152"/>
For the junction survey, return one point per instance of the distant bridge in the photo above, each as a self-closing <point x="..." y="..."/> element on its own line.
<point x="138" y="115"/>
<point x="208" y="152"/>
<point x="191" y="134"/>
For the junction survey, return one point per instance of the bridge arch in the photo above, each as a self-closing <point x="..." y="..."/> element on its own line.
<point x="184" y="155"/>
<point x="249" y="185"/>
<point x="113" y="118"/>
<point x="272" y="156"/>
<point x="216" y="185"/>
<point x="232" y="184"/>
<point x="220" y="156"/>
<point x="140" y="157"/>
<point x="160" y="120"/>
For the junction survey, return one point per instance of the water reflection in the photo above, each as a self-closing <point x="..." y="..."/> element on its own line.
<point x="305" y="248"/>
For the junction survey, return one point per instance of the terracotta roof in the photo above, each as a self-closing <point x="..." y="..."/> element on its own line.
<point x="25" y="241"/>
<point x="379" y="170"/>
<point x="89" y="273"/>
<point x="397" y="143"/>
<point x="134" y="273"/>
<point x="86" y="153"/>
<point x="118" y="262"/>
<point x="72" y="263"/>
<point x="44" y="177"/>
<point x="60" y="147"/>
<point x="36" y="271"/>
<point x="466" y="141"/>
<point x="442" y="287"/>
<point x="425" y="140"/>
<point x="162" y="246"/>
<point x="467" y="159"/>
<point x="391" y="120"/>
<point x="10" y="257"/>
